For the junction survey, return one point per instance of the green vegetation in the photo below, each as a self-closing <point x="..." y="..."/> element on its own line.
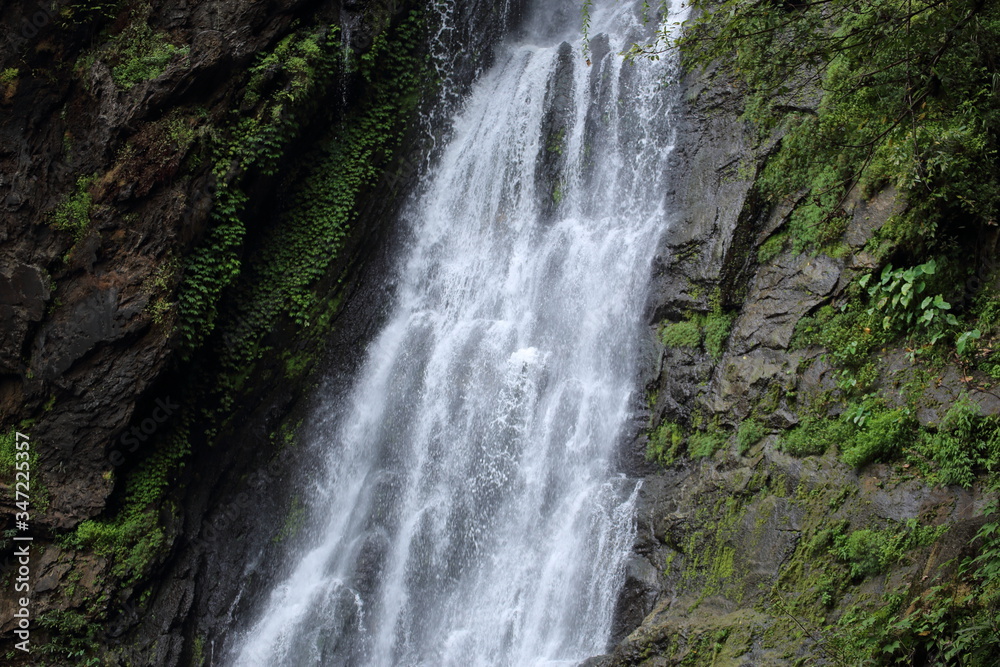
<point x="142" y="54"/>
<point x="665" y="443"/>
<point x="946" y="623"/>
<point x="279" y="279"/>
<point x="749" y="434"/>
<point x="134" y="537"/>
<point x="73" y="214"/>
<point x="9" y="461"/>
<point x="8" y="454"/>
<point x="556" y="142"/>
<point x="8" y="84"/>
<point x="717" y="326"/>
<point x="298" y="70"/>
<point x="307" y="238"/>
<point x="686" y="333"/>
<point x="293" y="522"/>
<point x="964" y="444"/>
<point x="902" y="296"/>
<point x="711" y="329"/>
<point x="864" y="97"/>
<point x="73" y="636"/>
<point x="870" y="552"/>
<point x="702" y="444"/>
<point x="814" y="436"/>
<point x="907" y="100"/>
<point x="882" y="433"/>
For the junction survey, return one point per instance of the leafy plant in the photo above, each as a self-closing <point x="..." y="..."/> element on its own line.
<point x="717" y="326"/>
<point x="73" y="214"/>
<point x="870" y="552"/>
<point x="964" y="443"/>
<point x="884" y="434"/>
<point x="901" y="295"/>
<point x="814" y="436"/>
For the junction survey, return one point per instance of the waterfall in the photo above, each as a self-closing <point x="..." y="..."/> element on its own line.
<point x="471" y="514"/>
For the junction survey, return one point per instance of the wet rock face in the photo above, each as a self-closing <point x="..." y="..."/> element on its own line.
<point x="101" y="199"/>
<point x="718" y="538"/>
<point x="24" y="293"/>
<point x="558" y="114"/>
<point x="78" y="331"/>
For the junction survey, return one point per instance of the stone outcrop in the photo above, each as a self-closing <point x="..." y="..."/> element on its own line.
<point x="726" y="567"/>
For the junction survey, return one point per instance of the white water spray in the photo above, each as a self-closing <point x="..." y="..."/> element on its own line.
<point x="473" y="515"/>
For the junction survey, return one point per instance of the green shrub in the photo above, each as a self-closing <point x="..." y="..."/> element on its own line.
<point x="73" y="214"/>
<point x="904" y="299"/>
<point x="686" y="333"/>
<point x="702" y="444"/>
<point x="813" y="436"/>
<point x="884" y="434"/>
<point x="665" y="443"/>
<point x="870" y="552"/>
<point x="717" y="326"/>
<point x="142" y="54"/>
<point x="964" y="443"/>
<point x="748" y="434"/>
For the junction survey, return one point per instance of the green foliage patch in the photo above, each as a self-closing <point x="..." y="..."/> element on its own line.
<point x="748" y="434"/>
<point x="665" y="443"/>
<point x="686" y="333"/>
<point x="814" y="436"/>
<point x="964" y="444"/>
<point x="711" y="329"/>
<point x="73" y="214"/>
<point x="870" y="551"/>
<point x="256" y="143"/>
<point x="955" y="623"/>
<point x="702" y="444"/>
<point x="142" y="54"/>
<point x="867" y="94"/>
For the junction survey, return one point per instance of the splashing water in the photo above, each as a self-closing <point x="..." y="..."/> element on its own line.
<point x="473" y="516"/>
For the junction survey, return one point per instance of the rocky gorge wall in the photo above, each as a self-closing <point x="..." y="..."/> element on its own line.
<point x="740" y="556"/>
<point x="148" y="143"/>
<point x="171" y="291"/>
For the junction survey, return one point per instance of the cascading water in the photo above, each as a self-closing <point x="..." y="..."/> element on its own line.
<point x="472" y="513"/>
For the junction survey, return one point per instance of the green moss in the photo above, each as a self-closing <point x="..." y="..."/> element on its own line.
<point x="814" y="436"/>
<point x="8" y="84"/>
<point x="870" y="552"/>
<point x="717" y="326"/>
<point x="293" y="522"/>
<point x="558" y="192"/>
<point x="748" y="434"/>
<point x="665" y="444"/>
<point x="884" y="434"/>
<point x="686" y="333"/>
<point x="556" y="142"/>
<point x="15" y="459"/>
<point x="8" y="455"/>
<point x="771" y="248"/>
<point x="702" y="444"/>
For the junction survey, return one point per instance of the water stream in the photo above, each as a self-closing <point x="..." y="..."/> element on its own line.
<point x="472" y="513"/>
